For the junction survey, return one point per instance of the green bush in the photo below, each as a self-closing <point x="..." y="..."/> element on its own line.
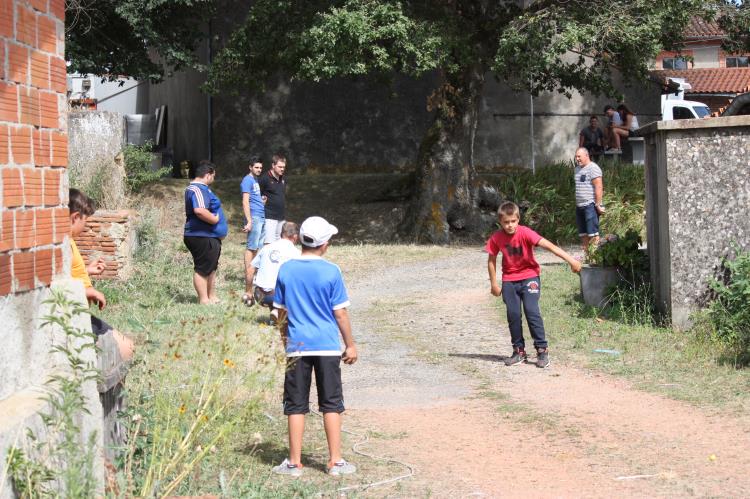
<point x="620" y="251"/>
<point x="138" y="172"/>
<point x="548" y="199"/>
<point x="729" y="312"/>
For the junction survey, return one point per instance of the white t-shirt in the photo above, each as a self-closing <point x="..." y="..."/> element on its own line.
<point x="269" y="259"/>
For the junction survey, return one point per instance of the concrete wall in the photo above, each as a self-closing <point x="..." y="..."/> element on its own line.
<point x="698" y="205"/>
<point x="95" y="139"/>
<point x="28" y="363"/>
<point x="360" y="124"/>
<point x="364" y="126"/>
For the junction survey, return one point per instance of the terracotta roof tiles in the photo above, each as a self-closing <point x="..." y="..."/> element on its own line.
<point x="699" y="28"/>
<point x="711" y="80"/>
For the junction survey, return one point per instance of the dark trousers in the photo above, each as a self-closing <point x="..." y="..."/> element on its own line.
<point x="526" y="293"/>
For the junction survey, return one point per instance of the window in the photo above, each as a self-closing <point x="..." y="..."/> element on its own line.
<point x="737" y="62"/>
<point x="681" y="113"/>
<point x="702" y="111"/>
<point x="674" y="63"/>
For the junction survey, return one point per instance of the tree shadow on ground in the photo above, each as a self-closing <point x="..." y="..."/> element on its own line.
<point x="480" y="356"/>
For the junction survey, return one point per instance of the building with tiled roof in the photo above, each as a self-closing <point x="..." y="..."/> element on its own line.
<point x="713" y="86"/>
<point x="715" y="76"/>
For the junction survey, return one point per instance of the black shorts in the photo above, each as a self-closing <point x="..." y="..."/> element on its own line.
<point x="206" y="252"/>
<point x="327" y="378"/>
<point x="98" y="326"/>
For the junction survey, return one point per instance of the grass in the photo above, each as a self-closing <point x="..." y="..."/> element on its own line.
<point x="680" y="365"/>
<point x="205" y="413"/>
<point x="223" y="363"/>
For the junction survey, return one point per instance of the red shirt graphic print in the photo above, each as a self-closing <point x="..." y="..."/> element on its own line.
<point x="518" y="253"/>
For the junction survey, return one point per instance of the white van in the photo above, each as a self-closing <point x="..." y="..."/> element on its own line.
<point x="675" y="107"/>
<point x="684" y="110"/>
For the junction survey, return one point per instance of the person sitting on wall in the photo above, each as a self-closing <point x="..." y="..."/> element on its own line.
<point x="613" y="120"/>
<point x="627" y="128"/>
<point x="592" y="137"/>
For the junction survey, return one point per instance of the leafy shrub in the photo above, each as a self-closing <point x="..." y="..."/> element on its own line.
<point x="632" y="300"/>
<point x="619" y="251"/>
<point x="547" y="199"/>
<point x="729" y="312"/>
<point x="138" y="170"/>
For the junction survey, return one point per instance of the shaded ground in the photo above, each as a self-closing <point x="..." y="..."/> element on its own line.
<point x="431" y="342"/>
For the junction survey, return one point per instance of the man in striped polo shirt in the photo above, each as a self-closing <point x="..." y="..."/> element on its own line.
<point x="589" y="192"/>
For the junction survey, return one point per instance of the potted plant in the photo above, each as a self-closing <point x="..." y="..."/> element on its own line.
<point x="607" y="262"/>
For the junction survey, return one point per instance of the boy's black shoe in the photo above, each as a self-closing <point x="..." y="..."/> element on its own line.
<point x="542" y="358"/>
<point x="519" y="355"/>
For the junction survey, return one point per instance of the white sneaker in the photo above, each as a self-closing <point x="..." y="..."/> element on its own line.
<point x="342" y="468"/>
<point x="287" y="468"/>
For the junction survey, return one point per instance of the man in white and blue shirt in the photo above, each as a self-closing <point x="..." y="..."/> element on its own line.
<point x="589" y="191"/>
<point x="311" y="290"/>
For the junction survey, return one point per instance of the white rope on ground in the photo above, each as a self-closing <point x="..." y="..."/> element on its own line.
<point x="355" y="449"/>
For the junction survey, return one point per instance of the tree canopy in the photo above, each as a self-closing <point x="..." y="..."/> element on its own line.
<point x="532" y="45"/>
<point x="143" y="39"/>
<point x="556" y="45"/>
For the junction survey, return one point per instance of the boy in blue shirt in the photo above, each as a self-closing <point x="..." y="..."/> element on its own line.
<point x="311" y="291"/>
<point x="255" y="220"/>
<point x="205" y="227"/>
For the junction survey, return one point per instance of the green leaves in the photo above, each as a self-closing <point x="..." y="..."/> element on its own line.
<point x="142" y="39"/>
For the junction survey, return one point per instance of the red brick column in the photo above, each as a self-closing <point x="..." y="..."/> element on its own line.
<point x="33" y="144"/>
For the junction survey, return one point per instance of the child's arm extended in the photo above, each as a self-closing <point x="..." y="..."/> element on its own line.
<point x="575" y="265"/>
<point x="345" y="326"/>
<point x="495" y="288"/>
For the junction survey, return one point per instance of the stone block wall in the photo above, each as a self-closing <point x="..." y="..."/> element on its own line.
<point x="697" y="206"/>
<point x="109" y="234"/>
<point x="95" y="162"/>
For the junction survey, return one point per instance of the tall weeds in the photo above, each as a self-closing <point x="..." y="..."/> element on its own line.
<point x="547" y="199"/>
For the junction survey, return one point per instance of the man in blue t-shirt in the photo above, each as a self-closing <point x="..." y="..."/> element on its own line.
<point x="311" y="291"/>
<point x="255" y="219"/>
<point x="205" y="227"/>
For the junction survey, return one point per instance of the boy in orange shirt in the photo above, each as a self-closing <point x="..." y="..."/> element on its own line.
<point x="81" y="207"/>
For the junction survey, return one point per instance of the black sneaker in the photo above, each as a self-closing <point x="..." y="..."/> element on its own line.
<point x="519" y="355"/>
<point x="542" y="358"/>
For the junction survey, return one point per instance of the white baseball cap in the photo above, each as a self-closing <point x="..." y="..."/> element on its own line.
<point x="316" y="231"/>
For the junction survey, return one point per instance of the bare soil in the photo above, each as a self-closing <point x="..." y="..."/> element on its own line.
<point x="431" y="342"/>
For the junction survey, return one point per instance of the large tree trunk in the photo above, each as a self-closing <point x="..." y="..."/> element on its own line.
<point x="443" y="193"/>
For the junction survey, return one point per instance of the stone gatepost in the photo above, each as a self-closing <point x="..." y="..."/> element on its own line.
<point x="697" y="206"/>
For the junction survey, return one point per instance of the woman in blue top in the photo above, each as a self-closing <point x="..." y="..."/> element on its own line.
<point x="205" y="227"/>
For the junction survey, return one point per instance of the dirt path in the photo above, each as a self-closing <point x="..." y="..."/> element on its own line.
<point x="431" y="379"/>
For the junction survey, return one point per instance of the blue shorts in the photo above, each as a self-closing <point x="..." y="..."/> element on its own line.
<point x="587" y="220"/>
<point x="257" y="233"/>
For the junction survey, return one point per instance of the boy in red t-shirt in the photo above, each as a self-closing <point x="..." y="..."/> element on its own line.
<point x="521" y="284"/>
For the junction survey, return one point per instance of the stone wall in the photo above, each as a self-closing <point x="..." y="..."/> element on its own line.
<point x="95" y="164"/>
<point x="109" y="234"/>
<point x="364" y="124"/>
<point x="698" y="206"/>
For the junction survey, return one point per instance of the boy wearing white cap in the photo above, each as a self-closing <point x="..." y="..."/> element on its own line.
<point x="311" y="290"/>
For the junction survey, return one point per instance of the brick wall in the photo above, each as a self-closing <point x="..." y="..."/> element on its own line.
<point x="109" y="235"/>
<point x="33" y="144"/>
